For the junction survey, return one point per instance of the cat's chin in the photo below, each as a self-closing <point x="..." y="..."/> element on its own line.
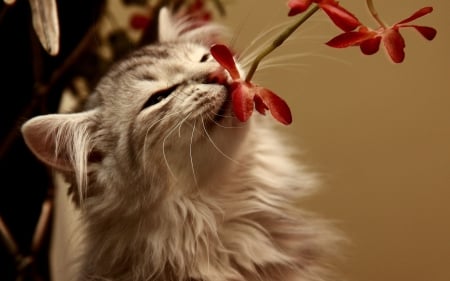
<point x="224" y="112"/>
<point x="219" y="108"/>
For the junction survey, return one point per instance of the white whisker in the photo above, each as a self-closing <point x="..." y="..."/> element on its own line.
<point x="144" y="157"/>
<point x="246" y="57"/>
<point x="331" y="58"/>
<point x="190" y="154"/>
<point x="292" y="66"/>
<point x="164" y="144"/>
<point x="262" y="35"/>
<point x="215" y="146"/>
<point x="223" y="126"/>
<point x="289" y="57"/>
<point x="277" y="62"/>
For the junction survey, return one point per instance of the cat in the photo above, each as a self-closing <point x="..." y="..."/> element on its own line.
<point x="170" y="185"/>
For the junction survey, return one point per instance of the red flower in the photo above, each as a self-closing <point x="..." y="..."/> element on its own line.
<point x="198" y="10"/>
<point x="369" y="40"/>
<point x="298" y="6"/>
<point x="139" y="21"/>
<point x="340" y="16"/>
<point x="246" y="96"/>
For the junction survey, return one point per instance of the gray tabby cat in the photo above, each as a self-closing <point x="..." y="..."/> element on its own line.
<point x="170" y="185"/>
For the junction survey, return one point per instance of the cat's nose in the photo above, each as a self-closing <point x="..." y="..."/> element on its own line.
<point x="218" y="76"/>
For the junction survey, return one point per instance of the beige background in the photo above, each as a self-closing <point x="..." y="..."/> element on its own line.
<point x="379" y="134"/>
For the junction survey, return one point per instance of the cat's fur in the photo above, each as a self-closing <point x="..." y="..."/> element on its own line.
<point x="180" y="189"/>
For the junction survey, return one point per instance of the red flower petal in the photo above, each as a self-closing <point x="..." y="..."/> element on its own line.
<point x="395" y="44"/>
<point x="340" y="16"/>
<point x="139" y="21"/>
<point x="427" y="32"/>
<point x="352" y="38"/>
<point x="370" y="46"/>
<point x="298" y="6"/>
<point x="420" y="13"/>
<point x="259" y="105"/>
<point x="196" y="6"/>
<point x="242" y="97"/>
<point x="225" y="58"/>
<point x="277" y="106"/>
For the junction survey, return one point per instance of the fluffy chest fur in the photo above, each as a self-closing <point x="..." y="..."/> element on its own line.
<point x="240" y="226"/>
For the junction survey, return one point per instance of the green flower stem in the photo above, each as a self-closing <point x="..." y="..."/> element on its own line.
<point x="278" y="41"/>
<point x="374" y="13"/>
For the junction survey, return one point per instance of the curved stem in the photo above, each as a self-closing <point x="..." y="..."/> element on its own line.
<point x="278" y="41"/>
<point x="374" y="13"/>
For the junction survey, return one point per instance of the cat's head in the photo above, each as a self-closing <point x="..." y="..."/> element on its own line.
<point x="163" y="114"/>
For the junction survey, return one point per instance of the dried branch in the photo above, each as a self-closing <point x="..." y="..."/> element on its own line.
<point x="7" y="238"/>
<point x="44" y="89"/>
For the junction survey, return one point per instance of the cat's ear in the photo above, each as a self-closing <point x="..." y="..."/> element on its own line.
<point x="60" y="140"/>
<point x="174" y="28"/>
<point x="167" y="30"/>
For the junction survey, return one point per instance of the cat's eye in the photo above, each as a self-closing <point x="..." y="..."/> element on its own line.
<point x="159" y="96"/>
<point x="204" y="58"/>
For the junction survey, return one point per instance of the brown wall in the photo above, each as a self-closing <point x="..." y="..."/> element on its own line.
<point x="378" y="132"/>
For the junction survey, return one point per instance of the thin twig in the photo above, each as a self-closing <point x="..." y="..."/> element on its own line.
<point x="42" y="225"/>
<point x="43" y="90"/>
<point x="70" y="61"/>
<point x="10" y="243"/>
